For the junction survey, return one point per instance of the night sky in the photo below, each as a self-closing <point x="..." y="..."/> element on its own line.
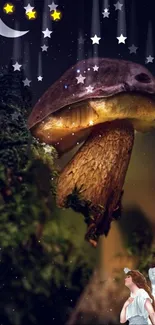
<point x="79" y="18"/>
<point x="84" y="18"/>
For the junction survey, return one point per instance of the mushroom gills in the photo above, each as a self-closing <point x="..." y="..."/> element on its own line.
<point x="91" y="183"/>
<point x="137" y="108"/>
<point x="73" y="124"/>
<point x="68" y="127"/>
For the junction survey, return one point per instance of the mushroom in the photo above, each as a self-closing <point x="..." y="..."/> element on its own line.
<point x="100" y="101"/>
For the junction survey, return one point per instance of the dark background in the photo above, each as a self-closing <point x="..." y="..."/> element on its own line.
<point x="63" y="44"/>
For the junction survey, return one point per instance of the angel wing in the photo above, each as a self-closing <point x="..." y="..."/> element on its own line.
<point x="126" y="270"/>
<point x="151" y="274"/>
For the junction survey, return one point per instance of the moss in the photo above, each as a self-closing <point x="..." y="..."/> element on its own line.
<point x="78" y="204"/>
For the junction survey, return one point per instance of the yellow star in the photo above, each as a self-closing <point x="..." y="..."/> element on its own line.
<point x="9" y="8"/>
<point x="31" y="14"/>
<point x="56" y="15"/>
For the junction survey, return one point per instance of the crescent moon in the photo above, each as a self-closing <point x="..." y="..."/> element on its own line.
<point x="9" y="32"/>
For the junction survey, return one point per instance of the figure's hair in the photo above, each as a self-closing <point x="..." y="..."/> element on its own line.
<point x="141" y="282"/>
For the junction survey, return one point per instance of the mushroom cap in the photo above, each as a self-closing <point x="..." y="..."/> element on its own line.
<point x="113" y="77"/>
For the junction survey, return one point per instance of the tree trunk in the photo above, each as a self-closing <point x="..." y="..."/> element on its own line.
<point x="105" y="294"/>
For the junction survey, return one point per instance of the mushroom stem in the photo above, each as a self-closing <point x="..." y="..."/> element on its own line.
<point x="92" y="181"/>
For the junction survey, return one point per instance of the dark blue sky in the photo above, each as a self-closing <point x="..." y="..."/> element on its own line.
<point x="63" y="44"/>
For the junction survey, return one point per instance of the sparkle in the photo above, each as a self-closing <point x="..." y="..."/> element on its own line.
<point x="40" y="78"/>
<point x="80" y="79"/>
<point x="47" y="33"/>
<point x="118" y="6"/>
<point x="95" y="68"/>
<point x="16" y="66"/>
<point x="26" y="82"/>
<point x="47" y="148"/>
<point x="95" y="39"/>
<point x="133" y="48"/>
<point x="44" y="48"/>
<point x="31" y="14"/>
<point x="89" y="89"/>
<point x="53" y="6"/>
<point x="106" y="13"/>
<point x="56" y="15"/>
<point x="29" y="8"/>
<point x="8" y="8"/>
<point x="149" y="59"/>
<point x="121" y="39"/>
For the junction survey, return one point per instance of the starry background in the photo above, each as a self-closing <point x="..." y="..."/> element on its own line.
<point x="80" y="17"/>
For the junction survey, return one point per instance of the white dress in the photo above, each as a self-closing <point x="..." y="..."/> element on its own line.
<point x="136" y="313"/>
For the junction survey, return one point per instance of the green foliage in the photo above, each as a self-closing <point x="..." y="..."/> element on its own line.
<point x="76" y="202"/>
<point x="32" y="270"/>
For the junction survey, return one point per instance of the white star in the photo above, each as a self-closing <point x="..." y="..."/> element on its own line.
<point x="26" y="82"/>
<point x="118" y="5"/>
<point x="47" y="33"/>
<point x="28" y="8"/>
<point x="121" y="39"/>
<point x="106" y="13"/>
<point x="133" y="49"/>
<point x="44" y="48"/>
<point x="40" y="78"/>
<point x="80" y="79"/>
<point x="95" y="39"/>
<point x="89" y="89"/>
<point x="149" y="59"/>
<point x="95" y="68"/>
<point x="17" y="66"/>
<point x="53" y="6"/>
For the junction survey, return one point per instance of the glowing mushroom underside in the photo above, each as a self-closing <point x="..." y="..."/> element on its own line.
<point x="103" y="110"/>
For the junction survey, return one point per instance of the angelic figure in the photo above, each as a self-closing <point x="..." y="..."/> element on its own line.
<point x="139" y="308"/>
